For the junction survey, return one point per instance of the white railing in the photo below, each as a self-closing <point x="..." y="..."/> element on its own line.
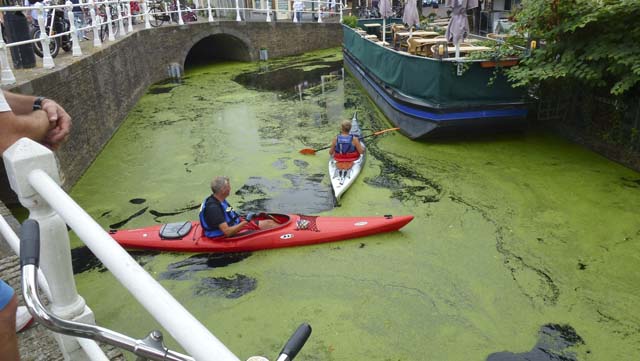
<point x="105" y="20"/>
<point x="33" y="176"/>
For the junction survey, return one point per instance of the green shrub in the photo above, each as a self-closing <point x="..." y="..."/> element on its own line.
<point x="350" y="21"/>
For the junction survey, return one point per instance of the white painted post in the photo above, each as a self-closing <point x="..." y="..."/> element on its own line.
<point x="319" y="12"/>
<point x="47" y="60"/>
<point x="22" y="160"/>
<point x="145" y="8"/>
<point x="120" y="7"/>
<point x="166" y="10"/>
<point x="238" y="18"/>
<point x="129" y="15"/>
<point x="75" y="45"/>
<point x="180" y="21"/>
<point x="295" y="15"/>
<point x="7" y="75"/>
<point x="268" y="11"/>
<point x="209" y="9"/>
<point x="107" y="9"/>
<point x="341" y="15"/>
<point x="95" y="23"/>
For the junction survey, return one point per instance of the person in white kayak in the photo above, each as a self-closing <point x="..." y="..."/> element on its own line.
<point x="346" y="147"/>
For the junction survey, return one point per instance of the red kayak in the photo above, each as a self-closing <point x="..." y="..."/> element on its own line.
<point x="294" y="230"/>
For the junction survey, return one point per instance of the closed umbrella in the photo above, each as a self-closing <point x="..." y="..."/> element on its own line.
<point x="410" y="14"/>
<point x="385" y="11"/>
<point x="458" y="28"/>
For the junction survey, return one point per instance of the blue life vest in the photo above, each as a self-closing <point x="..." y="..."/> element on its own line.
<point x="344" y="144"/>
<point x="230" y="216"/>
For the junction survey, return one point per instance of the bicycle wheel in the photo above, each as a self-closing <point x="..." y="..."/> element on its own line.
<point x="156" y="17"/>
<point x="104" y="29"/>
<point x="54" y="47"/>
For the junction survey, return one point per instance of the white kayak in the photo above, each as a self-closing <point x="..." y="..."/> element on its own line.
<point x="342" y="176"/>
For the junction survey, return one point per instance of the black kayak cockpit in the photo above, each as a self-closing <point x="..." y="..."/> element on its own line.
<point x="175" y="230"/>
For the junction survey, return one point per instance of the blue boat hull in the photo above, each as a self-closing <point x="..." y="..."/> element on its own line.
<point x="420" y="122"/>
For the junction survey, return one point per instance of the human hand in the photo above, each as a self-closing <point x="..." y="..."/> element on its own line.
<point x="250" y="216"/>
<point x="59" y="123"/>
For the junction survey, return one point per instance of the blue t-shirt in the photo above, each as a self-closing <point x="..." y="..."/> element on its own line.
<point x="6" y="294"/>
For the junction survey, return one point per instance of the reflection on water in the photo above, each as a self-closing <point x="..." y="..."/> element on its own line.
<point x="523" y="246"/>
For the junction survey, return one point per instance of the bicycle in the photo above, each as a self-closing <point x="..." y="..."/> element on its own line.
<point x="60" y="25"/>
<point x="157" y="16"/>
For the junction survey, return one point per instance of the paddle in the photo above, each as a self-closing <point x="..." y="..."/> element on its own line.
<point x="309" y="151"/>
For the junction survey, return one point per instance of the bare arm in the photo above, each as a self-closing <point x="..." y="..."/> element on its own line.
<point x="20" y="104"/>
<point x="333" y="147"/>
<point x="60" y="121"/>
<point x="13" y="127"/>
<point x="356" y="143"/>
<point x="231" y="230"/>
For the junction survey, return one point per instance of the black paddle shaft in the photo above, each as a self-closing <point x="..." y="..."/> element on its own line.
<point x="296" y="342"/>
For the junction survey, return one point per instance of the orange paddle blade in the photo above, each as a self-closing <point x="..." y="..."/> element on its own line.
<point x="308" y="151"/>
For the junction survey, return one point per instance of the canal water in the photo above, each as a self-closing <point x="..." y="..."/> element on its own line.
<point x="524" y="246"/>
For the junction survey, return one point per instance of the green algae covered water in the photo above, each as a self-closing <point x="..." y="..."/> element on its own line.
<point x="523" y="247"/>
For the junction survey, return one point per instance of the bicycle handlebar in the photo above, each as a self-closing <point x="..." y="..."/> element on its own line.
<point x="151" y="347"/>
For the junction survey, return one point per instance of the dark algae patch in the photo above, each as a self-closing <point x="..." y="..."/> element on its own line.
<point x="231" y="287"/>
<point x="83" y="260"/>
<point x="555" y="343"/>
<point x="125" y="221"/>
<point x="184" y="270"/>
<point x="288" y="79"/>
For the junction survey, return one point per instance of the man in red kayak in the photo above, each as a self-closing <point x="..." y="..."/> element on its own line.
<point x="218" y="218"/>
<point x="346" y="147"/>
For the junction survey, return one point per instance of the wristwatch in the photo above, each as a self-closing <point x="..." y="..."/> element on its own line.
<point x="37" y="104"/>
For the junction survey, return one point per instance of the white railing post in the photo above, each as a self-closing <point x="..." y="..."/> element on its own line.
<point x="75" y="45"/>
<point x="22" y="160"/>
<point x="180" y="21"/>
<point x="145" y="13"/>
<point x="268" y="11"/>
<point x="319" y="12"/>
<point x="167" y="12"/>
<point x="238" y="17"/>
<point x="7" y="75"/>
<point x="295" y="14"/>
<point x="341" y="14"/>
<point x="47" y="60"/>
<point x="95" y="23"/>
<point x="120" y="6"/>
<point x="210" y="12"/>
<point x="130" y="16"/>
<point x="145" y="9"/>
<point x="107" y="9"/>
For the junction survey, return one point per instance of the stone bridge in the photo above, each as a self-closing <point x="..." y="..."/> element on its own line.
<point x="100" y="89"/>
